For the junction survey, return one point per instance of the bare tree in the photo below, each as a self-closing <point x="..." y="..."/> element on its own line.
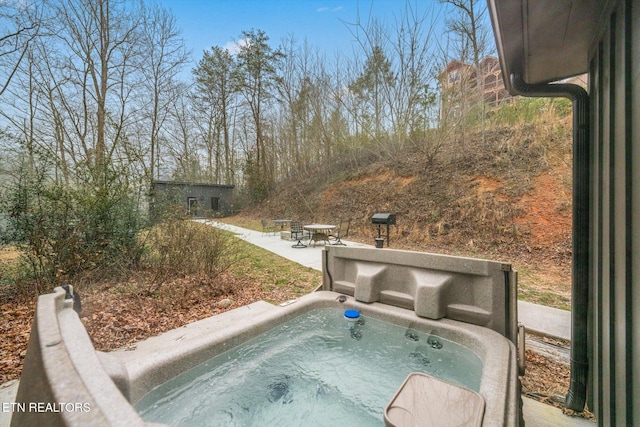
<point x="21" y="23"/>
<point x="471" y="43"/>
<point x="292" y="103"/>
<point x="214" y="96"/>
<point x="392" y="96"/>
<point x="303" y="99"/>
<point x="414" y="97"/>
<point x="467" y="22"/>
<point x="94" y="89"/>
<point x="372" y="79"/>
<point x="98" y="38"/>
<point x="182" y="147"/>
<point x="164" y="57"/>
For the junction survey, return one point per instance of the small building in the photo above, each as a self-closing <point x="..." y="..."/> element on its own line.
<point x="198" y="200"/>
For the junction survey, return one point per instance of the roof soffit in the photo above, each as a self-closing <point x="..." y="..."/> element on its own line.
<point x="545" y="40"/>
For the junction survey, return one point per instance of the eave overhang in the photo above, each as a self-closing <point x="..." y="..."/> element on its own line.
<point x="544" y="40"/>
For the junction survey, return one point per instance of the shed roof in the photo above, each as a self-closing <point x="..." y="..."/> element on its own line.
<point x="192" y="184"/>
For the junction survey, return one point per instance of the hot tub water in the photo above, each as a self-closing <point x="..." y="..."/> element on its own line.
<point x="313" y="370"/>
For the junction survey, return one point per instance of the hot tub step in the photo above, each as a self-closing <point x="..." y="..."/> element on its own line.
<point x="434" y="402"/>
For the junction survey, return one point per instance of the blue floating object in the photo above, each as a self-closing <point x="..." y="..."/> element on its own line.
<point x="351" y="314"/>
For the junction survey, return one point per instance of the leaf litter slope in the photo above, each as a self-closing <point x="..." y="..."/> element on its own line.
<point x="118" y="314"/>
<point x="507" y="198"/>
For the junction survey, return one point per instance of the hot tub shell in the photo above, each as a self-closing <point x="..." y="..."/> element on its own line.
<point x="62" y="366"/>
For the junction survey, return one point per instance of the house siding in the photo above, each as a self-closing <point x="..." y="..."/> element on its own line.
<point x="614" y="73"/>
<point x="459" y="83"/>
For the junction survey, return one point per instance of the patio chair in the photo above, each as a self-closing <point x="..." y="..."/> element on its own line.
<point x="268" y="227"/>
<point x="298" y="233"/>
<point x="340" y="232"/>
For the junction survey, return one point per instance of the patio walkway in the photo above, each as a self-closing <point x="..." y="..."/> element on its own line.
<point x="309" y="257"/>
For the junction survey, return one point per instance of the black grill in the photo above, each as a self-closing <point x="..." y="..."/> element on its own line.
<point x="384" y="218"/>
<point x="381" y="219"/>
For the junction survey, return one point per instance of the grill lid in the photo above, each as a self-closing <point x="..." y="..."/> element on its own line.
<point x="383" y="218"/>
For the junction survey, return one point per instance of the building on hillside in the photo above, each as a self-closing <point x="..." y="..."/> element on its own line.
<point x="462" y="85"/>
<point x="197" y="200"/>
<point x="493" y="89"/>
<point x="602" y="39"/>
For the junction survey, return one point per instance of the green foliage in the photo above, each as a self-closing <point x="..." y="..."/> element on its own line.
<point x="528" y="110"/>
<point x="95" y="231"/>
<point x="65" y="232"/>
<point x="177" y="247"/>
<point x="257" y="183"/>
<point x="370" y="88"/>
<point x="214" y="75"/>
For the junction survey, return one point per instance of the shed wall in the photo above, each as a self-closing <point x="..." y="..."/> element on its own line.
<point x="200" y="200"/>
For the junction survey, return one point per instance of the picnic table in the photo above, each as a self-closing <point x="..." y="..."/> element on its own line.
<point x="319" y="232"/>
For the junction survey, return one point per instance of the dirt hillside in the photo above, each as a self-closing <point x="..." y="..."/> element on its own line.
<point x="507" y="198"/>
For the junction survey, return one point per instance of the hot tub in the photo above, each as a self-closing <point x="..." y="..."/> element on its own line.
<point x="62" y="367"/>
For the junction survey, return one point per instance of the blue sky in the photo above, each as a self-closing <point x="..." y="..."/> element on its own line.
<point x="207" y="23"/>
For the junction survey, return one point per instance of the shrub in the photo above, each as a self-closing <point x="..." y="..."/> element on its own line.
<point x="63" y="232"/>
<point x="179" y="247"/>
